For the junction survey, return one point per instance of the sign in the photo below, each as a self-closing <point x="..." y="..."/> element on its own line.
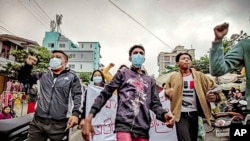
<point x="104" y="121"/>
<point x="222" y="132"/>
<point x="239" y="132"/>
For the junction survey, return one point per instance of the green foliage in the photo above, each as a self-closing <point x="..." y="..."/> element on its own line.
<point x="41" y="53"/>
<point x="171" y="69"/>
<point x="85" y="77"/>
<point x="202" y="64"/>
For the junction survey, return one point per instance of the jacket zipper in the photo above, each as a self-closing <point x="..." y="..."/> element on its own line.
<point x="53" y="89"/>
<point x="131" y="129"/>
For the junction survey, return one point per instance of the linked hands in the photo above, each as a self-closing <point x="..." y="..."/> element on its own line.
<point x="170" y="120"/>
<point x="73" y="120"/>
<point x="87" y="128"/>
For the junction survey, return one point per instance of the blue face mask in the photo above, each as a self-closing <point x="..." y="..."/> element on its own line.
<point x="137" y="60"/>
<point x="55" y="63"/>
<point x="97" y="79"/>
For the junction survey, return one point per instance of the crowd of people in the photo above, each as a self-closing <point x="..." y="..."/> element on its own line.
<point x="62" y="97"/>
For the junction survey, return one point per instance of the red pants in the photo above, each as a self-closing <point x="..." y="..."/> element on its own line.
<point x="31" y="107"/>
<point x="126" y="136"/>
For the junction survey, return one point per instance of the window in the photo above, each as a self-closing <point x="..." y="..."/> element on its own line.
<point x="81" y="55"/>
<point x="81" y="66"/>
<point x="61" y="45"/>
<point x="51" y="45"/>
<point x="173" y="58"/>
<point x="72" y="56"/>
<point x="82" y="45"/>
<point x="166" y="58"/>
<point x="88" y="56"/>
<point x="90" y="45"/>
<point x="5" y="52"/>
<point x="71" y="66"/>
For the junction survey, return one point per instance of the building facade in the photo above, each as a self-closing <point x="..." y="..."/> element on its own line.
<point x="166" y="59"/>
<point x="9" y="43"/>
<point x="84" y="57"/>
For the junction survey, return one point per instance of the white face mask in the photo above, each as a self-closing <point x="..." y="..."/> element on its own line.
<point x="97" y="79"/>
<point x="55" y="63"/>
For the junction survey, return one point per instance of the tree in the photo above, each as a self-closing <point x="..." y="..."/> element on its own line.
<point x="85" y="77"/>
<point x="202" y="64"/>
<point x="230" y="43"/>
<point x="41" y="53"/>
<point x="171" y="68"/>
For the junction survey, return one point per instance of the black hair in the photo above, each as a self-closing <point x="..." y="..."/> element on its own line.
<point x="60" y="51"/>
<point x="123" y="66"/>
<point x="103" y="78"/>
<point x="178" y="56"/>
<point x="134" y="47"/>
<point x="163" y="84"/>
<point x="5" y="108"/>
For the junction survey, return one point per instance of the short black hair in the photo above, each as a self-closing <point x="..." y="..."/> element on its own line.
<point x="178" y="56"/>
<point x="163" y="84"/>
<point x="134" y="47"/>
<point x="123" y="66"/>
<point x="60" y="51"/>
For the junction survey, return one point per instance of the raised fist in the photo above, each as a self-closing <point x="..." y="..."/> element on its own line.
<point x="31" y="60"/>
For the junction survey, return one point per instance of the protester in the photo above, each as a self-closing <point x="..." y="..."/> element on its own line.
<point x="60" y="96"/>
<point x="107" y="75"/>
<point x="5" y="113"/>
<point x="97" y="79"/>
<point x="221" y="64"/>
<point x="189" y="97"/>
<point x="136" y="96"/>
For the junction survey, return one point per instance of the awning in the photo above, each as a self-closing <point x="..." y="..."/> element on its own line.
<point x="16" y="42"/>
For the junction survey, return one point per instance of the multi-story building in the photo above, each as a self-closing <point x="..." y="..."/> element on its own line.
<point x="7" y="44"/>
<point x="90" y="55"/>
<point x="84" y="57"/>
<point x="166" y="59"/>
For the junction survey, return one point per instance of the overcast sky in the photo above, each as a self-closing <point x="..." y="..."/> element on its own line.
<point x="159" y="25"/>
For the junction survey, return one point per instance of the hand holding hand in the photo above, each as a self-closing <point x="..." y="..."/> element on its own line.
<point x="220" y="31"/>
<point x="87" y="130"/>
<point x="73" y="120"/>
<point x="170" y="120"/>
<point x="211" y="97"/>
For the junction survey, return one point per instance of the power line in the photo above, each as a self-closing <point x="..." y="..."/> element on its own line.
<point x="33" y="7"/>
<point x="33" y="14"/>
<point x="6" y="25"/>
<point x="140" y="24"/>
<point x="42" y="10"/>
<point x="6" y="30"/>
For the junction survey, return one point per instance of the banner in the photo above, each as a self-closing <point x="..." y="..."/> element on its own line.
<point x="158" y="130"/>
<point x="104" y="121"/>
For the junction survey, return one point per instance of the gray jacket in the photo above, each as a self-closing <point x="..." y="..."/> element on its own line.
<point x="59" y="96"/>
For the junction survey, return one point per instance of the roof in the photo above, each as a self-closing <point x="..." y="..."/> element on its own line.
<point x="17" y="40"/>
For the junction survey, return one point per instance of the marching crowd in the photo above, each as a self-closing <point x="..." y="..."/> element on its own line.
<point x="62" y="96"/>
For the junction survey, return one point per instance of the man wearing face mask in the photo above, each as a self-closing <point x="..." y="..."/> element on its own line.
<point x="136" y="96"/>
<point x="60" y="98"/>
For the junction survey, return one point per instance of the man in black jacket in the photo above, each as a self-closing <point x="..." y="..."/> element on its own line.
<point x="60" y="98"/>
